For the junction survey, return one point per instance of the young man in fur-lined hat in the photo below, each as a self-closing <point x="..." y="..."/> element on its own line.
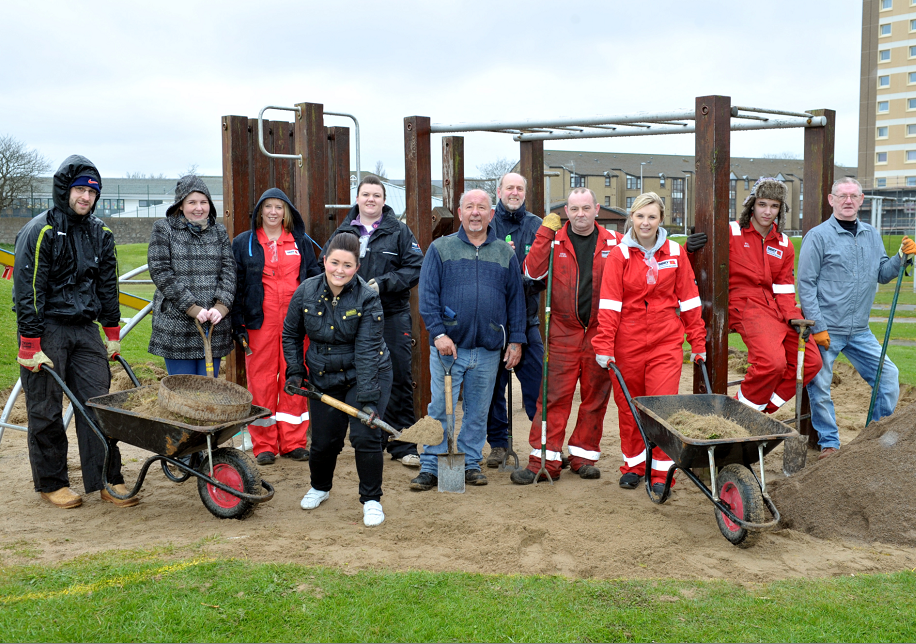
<point x="761" y="299"/>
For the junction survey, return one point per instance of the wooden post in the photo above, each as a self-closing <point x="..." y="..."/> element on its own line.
<point x="338" y="175"/>
<point x="819" y="149"/>
<point x="311" y="173"/>
<point x="419" y="194"/>
<point x="713" y="151"/>
<point x="236" y="200"/>
<point x="531" y="166"/>
<point x="452" y="184"/>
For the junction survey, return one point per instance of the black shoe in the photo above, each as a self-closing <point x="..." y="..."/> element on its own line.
<point x="523" y="477"/>
<point x="658" y="488"/>
<point x="497" y="454"/>
<point x="590" y="472"/>
<point x="425" y="481"/>
<point x="564" y="461"/>
<point x="266" y="458"/>
<point x="298" y="454"/>
<point x="630" y="481"/>
<point x="475" y="477"/>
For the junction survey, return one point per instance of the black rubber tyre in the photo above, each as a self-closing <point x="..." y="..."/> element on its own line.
<point x="236" y="470"/>
<point x="738" y="489"/>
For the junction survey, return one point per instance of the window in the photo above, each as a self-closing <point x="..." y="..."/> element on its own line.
<point x="883" y="106"/>
<point x="146" y="204"/>
<point x="885" y="30"/>
<point x="732" y="194"/>
<point x="633" y="183"/>
<point x="630" y="202"/>
<point x="884" y="55"/>
<point x="910" y="182"/>
<point x="747" y="183"/>
<point x="661" y="181"/>
<point x="677" y="200"/>
<point x="911" y="156"/>
<point x="884" y="81"/>
<point x="882" y="132"/>
<point x="576" y="181"/>
<point x="912" y="52"/>
<point x="911" y="130"/>
<point x="881" y="157"/>
<point x="607" y="202"/>
<point x="887" y="4"/>
<point x="912" y="25"/>
<point x="911" y="77"/>
<point x="607" y="180"/>
<point x="911" y="103"/>
<point x="881" y="183"/>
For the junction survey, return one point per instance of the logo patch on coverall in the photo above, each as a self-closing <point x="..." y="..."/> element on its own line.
<point x="605" y="253"/>
<point x="775" y="252"/>
<point x="668" y="263"/>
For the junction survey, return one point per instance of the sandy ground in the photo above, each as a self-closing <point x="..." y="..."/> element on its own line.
<point x="575" y="528"/>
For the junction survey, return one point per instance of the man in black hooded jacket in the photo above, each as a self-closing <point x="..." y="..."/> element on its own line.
<point x="390" y="261"/>
<point x="65" y="278"/>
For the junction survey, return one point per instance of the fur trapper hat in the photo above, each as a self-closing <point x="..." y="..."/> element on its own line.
<point x="766" y="188"/>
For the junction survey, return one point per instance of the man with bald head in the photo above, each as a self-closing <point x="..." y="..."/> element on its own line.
<point x="473" y="304"/>
<point x="518" y="228"/>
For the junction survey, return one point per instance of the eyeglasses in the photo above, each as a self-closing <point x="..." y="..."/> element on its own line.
<point x="845" y="198"/>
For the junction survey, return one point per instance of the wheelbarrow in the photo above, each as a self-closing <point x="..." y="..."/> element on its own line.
<point x="228" y="481"/>
<point x="738" y="494"/>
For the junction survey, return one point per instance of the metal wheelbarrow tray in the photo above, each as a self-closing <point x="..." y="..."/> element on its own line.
<point x="738" y="494"/>
<point x="228" y="480"/>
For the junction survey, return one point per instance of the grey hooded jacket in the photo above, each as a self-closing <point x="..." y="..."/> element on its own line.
<point x="838" y="274"/>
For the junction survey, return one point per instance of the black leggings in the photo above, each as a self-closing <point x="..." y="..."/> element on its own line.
<point x="329" y="428"/>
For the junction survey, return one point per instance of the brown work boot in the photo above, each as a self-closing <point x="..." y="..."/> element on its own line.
<point x="63" y="498"/>
<point x="587" y="471"/>
<point x="827" y="451"/>
<point x="120" y="488"/>
<point x="497" y="454"/>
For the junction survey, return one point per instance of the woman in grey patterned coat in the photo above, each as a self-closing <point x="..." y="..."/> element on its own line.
<point x="190" y="261"/>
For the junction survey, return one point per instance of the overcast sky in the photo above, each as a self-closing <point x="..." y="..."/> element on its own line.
<point x="141" y="86"/>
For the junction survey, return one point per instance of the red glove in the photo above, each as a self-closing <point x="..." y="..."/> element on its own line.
<point x="31" y="356"/>
<point x="113" y="345"/>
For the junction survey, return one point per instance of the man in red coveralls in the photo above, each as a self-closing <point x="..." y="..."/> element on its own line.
<point x="580" y="249"/>
<point x="761" y="299"/>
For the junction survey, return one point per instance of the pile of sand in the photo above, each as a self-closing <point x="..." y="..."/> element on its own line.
<point x="862" y="492"/>
<point x="146" y="403"/>
<point x="705" y="427"/>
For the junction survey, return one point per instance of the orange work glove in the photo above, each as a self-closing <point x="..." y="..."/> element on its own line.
<point x="907" y="247"/>
<point x="822" y="339"/>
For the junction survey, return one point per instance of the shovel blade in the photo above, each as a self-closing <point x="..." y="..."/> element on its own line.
<point x="451" y="472"/>
<point x="795" y="453"/>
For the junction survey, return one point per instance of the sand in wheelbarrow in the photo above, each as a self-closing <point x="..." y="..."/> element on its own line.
<point x="146" y="403"/>
<point x="863" y="492"/>
<point x="705" y="427"/>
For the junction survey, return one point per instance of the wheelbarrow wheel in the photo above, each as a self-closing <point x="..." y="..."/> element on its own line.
<point x="177" y="475"/>
<point x="738" y="489"/>
<point x="234" y="469"/>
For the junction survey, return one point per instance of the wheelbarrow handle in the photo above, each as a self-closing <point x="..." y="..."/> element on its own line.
<point x="705" y="373"/>
<point x="314" y="394"/>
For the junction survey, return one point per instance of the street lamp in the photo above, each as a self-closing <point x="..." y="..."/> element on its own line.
<point x="642" y="163"/>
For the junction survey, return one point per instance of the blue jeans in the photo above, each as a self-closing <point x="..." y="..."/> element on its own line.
<point x="528" y="371"/>
<point x="863" y="351"/>
<point x="476" y="369"/>
<point x="191" y="367"/>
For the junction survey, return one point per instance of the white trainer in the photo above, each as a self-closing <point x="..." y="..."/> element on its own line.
<point x="372" y="514"/>
<point x="411" y="460"/>
<point x="313" y="498"/>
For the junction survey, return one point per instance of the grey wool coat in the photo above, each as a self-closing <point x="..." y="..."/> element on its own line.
<point x="189" y="268"/>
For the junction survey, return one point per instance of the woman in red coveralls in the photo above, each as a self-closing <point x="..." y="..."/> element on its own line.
<point x="271" y="260"/>
<point x="647" y="279"/>
<point x="761" y="299"/>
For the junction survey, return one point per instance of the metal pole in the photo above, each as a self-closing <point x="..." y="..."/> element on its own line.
<point x="356" y="129"/>
<point x="439" y="128"/>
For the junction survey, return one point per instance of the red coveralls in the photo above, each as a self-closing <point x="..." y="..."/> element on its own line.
<point x="761" y="301"/>
<point x="266" y="366"/>
<point x="572" y="359"/>
<point x="639" y="326"/>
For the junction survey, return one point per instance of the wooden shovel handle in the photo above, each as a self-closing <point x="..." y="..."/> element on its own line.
<point x="208" y="351"/>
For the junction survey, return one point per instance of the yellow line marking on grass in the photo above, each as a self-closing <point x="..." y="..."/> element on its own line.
<point x="84" y="589"/>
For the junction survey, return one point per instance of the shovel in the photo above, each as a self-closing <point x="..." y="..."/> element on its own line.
<point x="505" y="466"/>
<point x="208" y="353"/>
<point x="451" y="464"/>
<point x="887" y="337"/>
<point x="795" y="450"/>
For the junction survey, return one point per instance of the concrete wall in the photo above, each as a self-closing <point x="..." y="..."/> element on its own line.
<point x="127" y="230"/>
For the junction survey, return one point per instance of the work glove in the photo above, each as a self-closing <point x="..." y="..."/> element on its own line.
<point x="294" y="382"/>
<point x="241" y="336"/>
<point x="604" y="360"/>
<point x="695" y="242"/>
<point x="822" y="339"/>
<point x="113" y="341"/>
<point x="804" y="332"/>
<point x="907" y="247"/>
<point x="553" y="222"/>
<point x="698" y="356"/>
<point x="31" y="356"/>
<point x="372" y="411"/>
<point x="373" y="285"/>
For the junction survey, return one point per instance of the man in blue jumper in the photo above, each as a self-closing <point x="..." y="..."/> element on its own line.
<point x="472" y="301"/>
<point x="518" y="227"/>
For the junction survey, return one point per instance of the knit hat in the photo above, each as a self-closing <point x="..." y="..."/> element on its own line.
<point x="766" y="188"/>
<point x="185" y="186"/>
<point x="87" y="180"/>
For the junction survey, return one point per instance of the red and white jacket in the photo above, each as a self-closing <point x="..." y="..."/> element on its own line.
<point x="760" y="269"/>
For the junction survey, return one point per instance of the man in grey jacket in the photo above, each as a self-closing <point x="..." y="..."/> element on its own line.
<point x="838" y="267"/>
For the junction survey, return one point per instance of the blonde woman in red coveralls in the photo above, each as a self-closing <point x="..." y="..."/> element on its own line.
<point x="647" y="280"/>
<point x="272" y="259"/>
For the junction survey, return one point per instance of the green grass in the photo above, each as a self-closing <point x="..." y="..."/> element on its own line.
<point x="156" y="596"/>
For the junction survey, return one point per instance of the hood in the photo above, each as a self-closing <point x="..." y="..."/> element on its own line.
<point x="504" y="213"/>
<point x="73" y="166"/>
<point x="276" y="193"/>
<point x="185" y="186"/>
<point x="630" y="240"/>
